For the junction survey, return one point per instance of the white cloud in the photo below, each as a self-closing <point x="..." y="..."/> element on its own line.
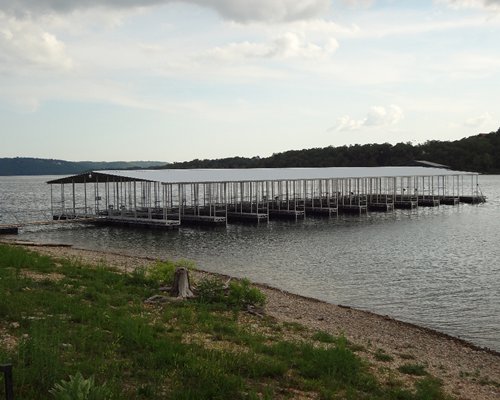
<point x="23" y="44"/>
<point x="287" y="45"/>
<point x="480" y="121"/>
<point x="485" y="4"/>
<point x="377" y="116"/>
<point x="236" y="10"/>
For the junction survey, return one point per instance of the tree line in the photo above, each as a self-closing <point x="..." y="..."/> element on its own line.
<point x="480" y="153"/>
<point x="42" y="166"/>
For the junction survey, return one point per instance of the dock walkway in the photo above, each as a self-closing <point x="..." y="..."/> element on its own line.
<point x="171" y="198"/>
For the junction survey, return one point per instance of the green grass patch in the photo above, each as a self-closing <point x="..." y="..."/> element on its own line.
<point x="323" y="337"/>
<point x="89" y="330"/>
<point x="163" y="271"/>
<point x="380" y="355"/>
<point x="413" y="369"/>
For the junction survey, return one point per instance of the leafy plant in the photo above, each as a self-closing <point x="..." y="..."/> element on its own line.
<point x="210" y="290"/>
<point x="242" y="294"/>
<point x="164" y="271"/>
<point x="79" y="388"/>
<point x="323" y="337"/>
<point x="239" y="294"/>
<point x="380" y="355"/>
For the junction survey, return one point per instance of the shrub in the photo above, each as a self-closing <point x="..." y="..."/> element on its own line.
<point x="210" y="290"/>
<point x="323" y="337"/>
<point x="241" y="294"/>
<point x="430" y="388"/>
<point x="413" y="369"/>
<point x="164" y="272"/>
<point x="380" y="355"/>
<point x="79" y="388"/>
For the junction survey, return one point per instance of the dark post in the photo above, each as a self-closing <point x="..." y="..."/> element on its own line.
<point x="9" y="387"/>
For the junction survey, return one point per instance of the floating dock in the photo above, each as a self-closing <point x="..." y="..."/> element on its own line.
<point x="170" y="198"/>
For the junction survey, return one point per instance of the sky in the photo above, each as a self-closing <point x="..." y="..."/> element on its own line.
<point x="169" y="80"/>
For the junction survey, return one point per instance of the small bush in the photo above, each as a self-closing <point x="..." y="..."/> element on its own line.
<point x="210" y="290"/>
<point x="380" y="355"/>
<point x="241" y="294"/>
<point x="413" y="369"/>
<point x="323" y="337"/>
<point x="163" y="272"/>
<point x="79" y="388"/>
<point x="430" y="388"/>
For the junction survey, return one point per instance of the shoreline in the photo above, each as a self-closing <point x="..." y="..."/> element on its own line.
<point x="468" y="371"/>
<point x="265" y="286"/>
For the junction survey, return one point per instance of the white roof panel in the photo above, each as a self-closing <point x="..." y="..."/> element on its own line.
<point x="275" y="174"/>
<point x="258" y="174"/>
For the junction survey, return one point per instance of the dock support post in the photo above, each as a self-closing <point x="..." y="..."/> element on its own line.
<point x="9" y="386"/>
<point x="74" y="199"/>
<point x="51" y="201"/>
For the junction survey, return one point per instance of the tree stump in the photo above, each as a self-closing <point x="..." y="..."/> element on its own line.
<point x="181" y="286"/>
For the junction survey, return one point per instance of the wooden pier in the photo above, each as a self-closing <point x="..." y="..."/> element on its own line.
<point x="172" y="198"/>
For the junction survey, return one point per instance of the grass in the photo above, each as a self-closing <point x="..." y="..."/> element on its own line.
<point x="413" y="369"/>
<point x="90" y="325"/>
<point x="323" y="337"/>
<point x="380" y="355"/>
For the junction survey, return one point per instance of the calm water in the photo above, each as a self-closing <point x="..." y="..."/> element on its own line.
<point x="437" y="267"/>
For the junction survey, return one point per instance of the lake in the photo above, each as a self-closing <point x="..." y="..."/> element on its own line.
<point x="435" y="267"/>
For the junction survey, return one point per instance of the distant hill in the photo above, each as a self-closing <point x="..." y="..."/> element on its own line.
<point x="480" y="153"/>
<point x="41" y="166"/>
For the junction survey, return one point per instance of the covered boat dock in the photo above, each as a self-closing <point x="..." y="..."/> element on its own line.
<point x="169" y="198"/>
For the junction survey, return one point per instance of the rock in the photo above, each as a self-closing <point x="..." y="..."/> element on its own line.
<point x="156" y="299"/>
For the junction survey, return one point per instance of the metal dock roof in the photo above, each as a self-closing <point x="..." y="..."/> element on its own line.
<point x="256" y="174"/>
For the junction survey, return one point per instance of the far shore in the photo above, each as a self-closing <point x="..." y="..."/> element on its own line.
<point x="467" y="371"/>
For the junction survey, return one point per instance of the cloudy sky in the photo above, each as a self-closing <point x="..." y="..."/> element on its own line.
<point x="177" y="80"/>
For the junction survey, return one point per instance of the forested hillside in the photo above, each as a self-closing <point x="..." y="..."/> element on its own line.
<point x="480" y="153"/>
<point x="40" y="166"/>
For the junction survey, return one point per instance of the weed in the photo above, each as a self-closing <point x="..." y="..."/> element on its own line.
<point x="294" y="326"/>
<point x="239" y="294"/>
<point x="380" y="355"/>
<point x="413" y="369"/>
<point x="323" y="337"/>
<point x="79" y="388"/>
<point x="242" y="294"/>
<point x="164" y="271"/>
<point x="430" y="389"/>
<point x="406" y="356"/>
<point x="210" y="290"/>
<point x="487" y="381"/>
